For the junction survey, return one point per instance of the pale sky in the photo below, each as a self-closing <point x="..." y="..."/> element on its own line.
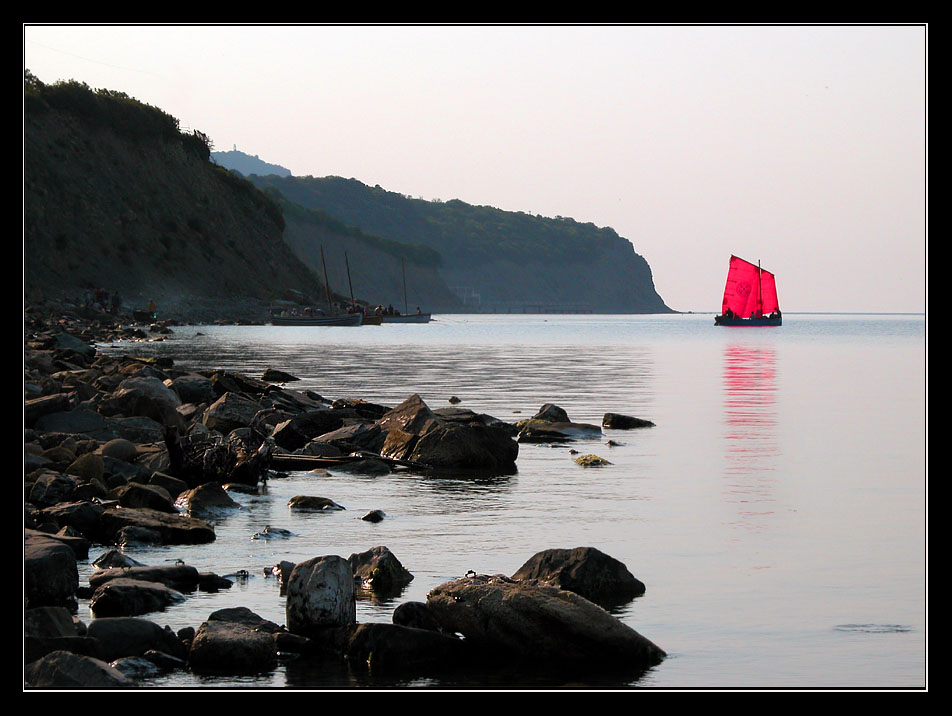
<point x="803" y="147"/>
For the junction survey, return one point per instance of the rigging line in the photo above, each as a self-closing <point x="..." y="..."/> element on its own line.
<point x="97" y="62"/>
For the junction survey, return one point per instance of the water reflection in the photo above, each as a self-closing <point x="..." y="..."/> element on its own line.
<point x="751" y="447"/>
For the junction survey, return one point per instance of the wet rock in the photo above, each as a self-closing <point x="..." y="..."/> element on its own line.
<point x="273" y="375"/>
<point x="617" y="421"/>
<point x="313" y="503"/>
<point x="172" y="529"/>
<point x="591" y="461"/>
<point x="153" y="497"/>
<point x="234" y="641"/>
<point x="584" y="570"/>
<point x="133" y="636"/>
<point x="393" y="648"/>
<point x="50" y="574"/>
<point x="115" y="558"/>
<point x="416" y="615"/>
<point x="62" y="669"/>
<point x="378" y="569"/>
<point x="206" y="500"/>
<point x="537" y="622"/>
<point x="552" y="424"/>
<point x="320" y="593"/>
<point x="229" y="412"/>
<point x="121" y="597"/>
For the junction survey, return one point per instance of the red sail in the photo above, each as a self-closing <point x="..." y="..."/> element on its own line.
<point x="749" y="290"/>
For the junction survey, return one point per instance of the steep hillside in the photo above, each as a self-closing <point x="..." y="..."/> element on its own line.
<point x="376" y="266"/>
<point x="494" y="260"/>
<point x="116" y="197"/>
<point x="246" y="164"/>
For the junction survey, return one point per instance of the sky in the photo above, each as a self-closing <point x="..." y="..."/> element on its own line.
<point x="803" y="147"/>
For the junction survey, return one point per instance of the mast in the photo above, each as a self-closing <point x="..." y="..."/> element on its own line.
<point x="403" y="268"/>
<point x="347" y="264"/>
<point x="760" y="289"/>
<point x="327" y="286"/>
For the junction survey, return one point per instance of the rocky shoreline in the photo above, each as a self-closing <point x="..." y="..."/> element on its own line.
<point x="121" y="451"/>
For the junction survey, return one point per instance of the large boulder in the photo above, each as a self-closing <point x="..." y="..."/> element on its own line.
<point x="63" y="669"/>
<point x="320" y="593"/>
<point x="50" y="574"/>
<point x="477" y="447"/>
<point x="133" y="636"/>
<point x="226" y="647"/>
<point x="230" y="412"/>
<point x="122" y="597"/>
<point x="393" y="648"/>
<point x="584" y="570"/>
<point x="173" y="529"/>
<point x="181" y="577"/>
<point x="537" y="622"/>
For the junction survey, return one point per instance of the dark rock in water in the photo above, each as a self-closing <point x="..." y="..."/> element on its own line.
<point x="591" y="461"/>
<point x="393" y="648"/>
<point x="115" y="558"/>
<point x="62" y="669"/>
<point x="416" y="615"/>
<point x="122" y="597"/>
<point x="551" y="413"/>
<point x="537" y="622"/>
<point x="181" y="577"/>
<point x="272" y="375"/>
<point x="133" y="636"/>
<point x="172" y="529"/>
<point x="618" y="421"/>
<point x="313" y="503"/>
<point x="206" y="500"/>
<point x="320" y="594"/>
<point x="165" y="662"/>
<point x="584" y="570"/>
<point x="378" y="569"/>
<point x="224" y="647"/>
<point x="472" y="447"/>
<point x="136" y="667"/>
<point x="552" y="424"/>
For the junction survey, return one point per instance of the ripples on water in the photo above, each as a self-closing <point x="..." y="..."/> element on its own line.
<point x="750" y="525"/>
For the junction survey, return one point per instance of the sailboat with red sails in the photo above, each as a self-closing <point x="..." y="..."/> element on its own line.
<point x="750" y="296"/>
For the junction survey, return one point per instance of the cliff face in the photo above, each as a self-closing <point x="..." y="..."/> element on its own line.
<point x="493" y="260"/>
<point x="149" y="219"/>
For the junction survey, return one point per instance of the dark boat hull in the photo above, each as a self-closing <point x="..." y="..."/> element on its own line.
<point x="346" y="319"/>
<point x="734" y="321"/>
<point x="408" y="318"/>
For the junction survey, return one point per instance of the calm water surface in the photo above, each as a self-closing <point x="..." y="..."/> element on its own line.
<point x="776" y="513"/>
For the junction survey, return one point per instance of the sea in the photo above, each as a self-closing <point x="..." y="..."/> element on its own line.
<point x="776" y="511"/>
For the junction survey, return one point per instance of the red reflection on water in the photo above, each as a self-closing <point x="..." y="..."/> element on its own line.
<point x="750" y="420"/>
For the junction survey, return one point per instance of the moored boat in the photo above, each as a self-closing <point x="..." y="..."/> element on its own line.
<point x="750" y="296"/>
<point x="341" y="319"/>
<point x="407" y="318"/>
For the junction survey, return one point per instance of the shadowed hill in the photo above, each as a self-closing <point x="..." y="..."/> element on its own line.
<point x="493" y="259"/>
